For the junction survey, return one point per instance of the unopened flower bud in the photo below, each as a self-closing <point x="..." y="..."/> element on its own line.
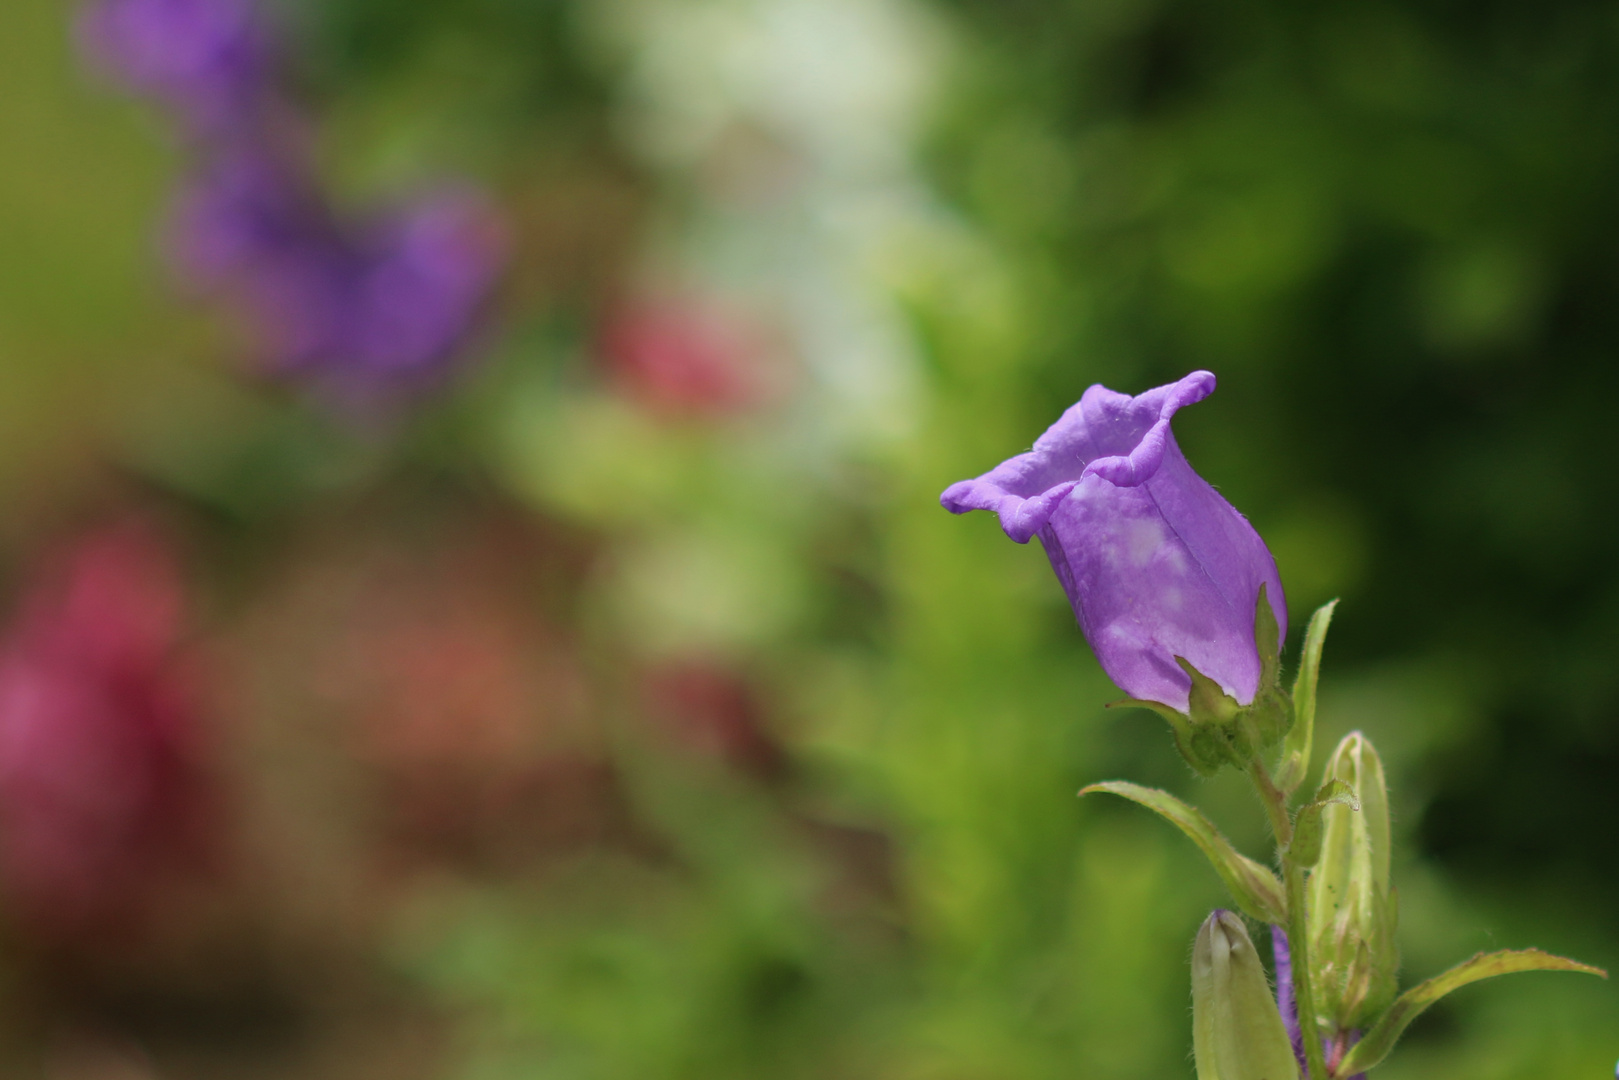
<point x="1237" y="1033"/>
<point x="1352" y="911"/>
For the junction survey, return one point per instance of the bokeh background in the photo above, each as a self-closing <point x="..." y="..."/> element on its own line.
<point x="610" y="697"/>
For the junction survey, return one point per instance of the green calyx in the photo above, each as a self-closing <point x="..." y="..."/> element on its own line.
<point x="1215" y="731"/>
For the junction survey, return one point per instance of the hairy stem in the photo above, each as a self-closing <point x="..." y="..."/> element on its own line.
<point x="1303" y="990"/>
<point x="1281" y="824"/>
<point x="1297" y="929"/>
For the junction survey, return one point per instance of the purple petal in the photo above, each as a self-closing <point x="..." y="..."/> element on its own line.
<point x="1156" y="564"/>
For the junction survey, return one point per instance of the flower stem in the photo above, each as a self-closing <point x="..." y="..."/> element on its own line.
<point x="1303" y="990"/>
<point x="1297" y="928"/>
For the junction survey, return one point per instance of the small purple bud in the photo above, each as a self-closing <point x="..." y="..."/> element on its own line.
<point x="206" y="58"/>
<point x="1156" y="564"/>
<point x="1286" y="1003"/>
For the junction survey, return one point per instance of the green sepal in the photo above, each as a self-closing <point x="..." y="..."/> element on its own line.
<point x="1270" y="716"/>
<point x="1204" y="754"/>
<point x="1207" y="703"/>
<point x="1219" y="730"/>
<point x="1215" y="730"/>
<point x="1268" y="640"/>
<point x="1253" y="886"/>
<point x="1372" y="1049"/>
<point x="1296" y="748"/>
<point x="1305" y="848"/>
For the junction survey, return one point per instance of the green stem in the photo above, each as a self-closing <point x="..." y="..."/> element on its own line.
<point x="1298" y="935"/>
<point x="1275" y="804"/>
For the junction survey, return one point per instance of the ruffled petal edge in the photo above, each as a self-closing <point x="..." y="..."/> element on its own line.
<point x="1141" y="463"/>
<point x="1024" y="516"/>
<point x="1020" y="518"/>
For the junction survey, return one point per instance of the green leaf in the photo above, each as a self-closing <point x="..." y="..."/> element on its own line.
<point x="1254" y="887"/>
<point x="1408" y="1006"/>
<point x="1307" y="828"/>
<point x="1296" y="748"/>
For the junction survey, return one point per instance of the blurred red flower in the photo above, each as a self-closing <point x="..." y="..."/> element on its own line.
<point x="713" y="711"/>
<point x="684" y="356"/>
<point x="102" y="791"/>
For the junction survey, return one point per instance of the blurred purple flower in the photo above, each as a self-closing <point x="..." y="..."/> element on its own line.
<point x="1156" y="564"/>
<point x="360" y="310"/>
<point x="424" y="276"/>
<point x="206" y="58"/>
<point x="363" y="309"/>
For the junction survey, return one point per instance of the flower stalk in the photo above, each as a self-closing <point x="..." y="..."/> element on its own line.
<point x="1275" y="804"/>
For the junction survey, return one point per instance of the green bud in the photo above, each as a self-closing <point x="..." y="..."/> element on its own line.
<point x="1352" y="911"/>
<point x="1237" y="1034"/>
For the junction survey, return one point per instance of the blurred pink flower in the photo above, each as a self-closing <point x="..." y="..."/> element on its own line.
<point x="101" y="788"/>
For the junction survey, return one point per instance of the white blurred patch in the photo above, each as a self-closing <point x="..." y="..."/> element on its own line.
<point x="792" y="123"/>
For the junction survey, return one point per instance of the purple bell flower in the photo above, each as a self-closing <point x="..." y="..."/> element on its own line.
<point x="1155" y="562"/>
<point x="205" y="58"/>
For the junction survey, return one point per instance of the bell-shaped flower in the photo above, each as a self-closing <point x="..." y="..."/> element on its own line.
<point x="1157" y="565"/>
<point x="1237" y="1032"/>
<point x="1351" y="906"/>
